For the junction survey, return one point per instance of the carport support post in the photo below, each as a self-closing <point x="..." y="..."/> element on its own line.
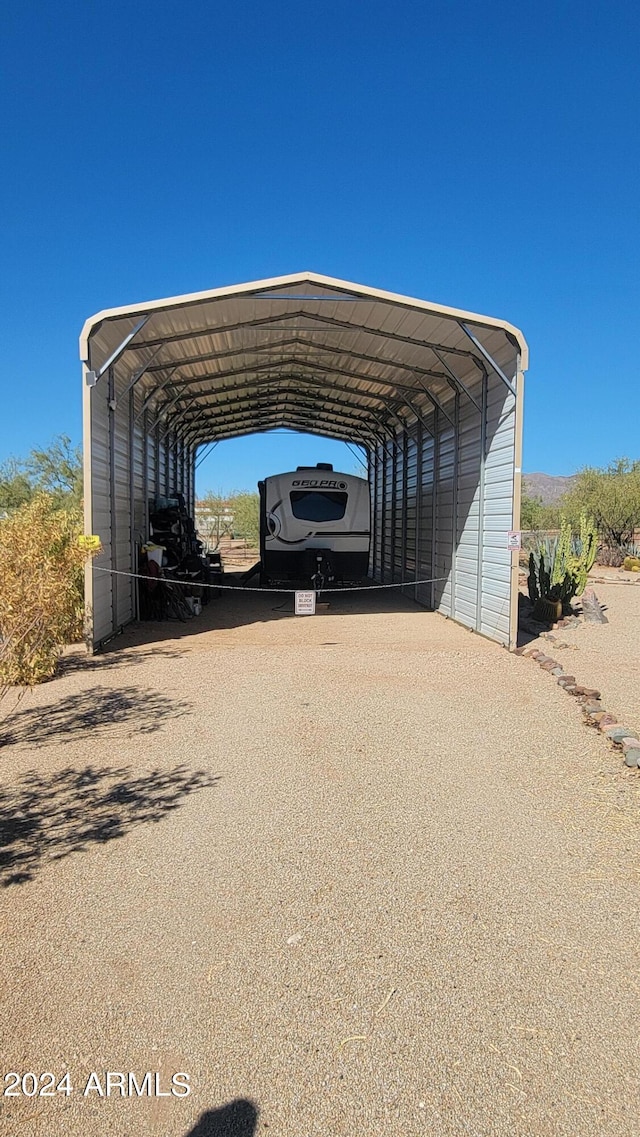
<point x="111" y="402"/>
<point x="419" y="443"/>
<point x="373" y="497"/>
<point x="192" y="478"/>
<point x="434" y="502"/>
<point x="454" y="519"/>
<point x="394" y="501"/>
<point x="517" y="489"/>
<point x="145" y="475"/>
<point x="405" y="449"/>
<point x="156" y="447"/>
<point x="383" y="519"/>
<point x="481" y="519"/>
<point x="132" y="507"/>
<point x="88" y="504"/>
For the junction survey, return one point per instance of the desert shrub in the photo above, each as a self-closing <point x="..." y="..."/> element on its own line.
<point x="611" y="496"/>
<point x="41" y="594"/>
<point x="610" y="557"/>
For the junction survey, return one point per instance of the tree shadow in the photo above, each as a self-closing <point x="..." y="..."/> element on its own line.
<point x="47" y="818"/>
<point x="109" y="658"/>
<point x="94" y="711"/>
<point x="238" y="1119"/>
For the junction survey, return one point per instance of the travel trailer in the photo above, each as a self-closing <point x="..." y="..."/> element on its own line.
<point x="314" y="526"/>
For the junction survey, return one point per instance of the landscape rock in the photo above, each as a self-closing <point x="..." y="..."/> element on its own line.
<point x="632" y="757"/>
<point x="629" y="743"/>
<point x="605" y="722"/>
<point x="592" y="609"/>
<point x="617" y="732"/>
<point x="557" y="670"/>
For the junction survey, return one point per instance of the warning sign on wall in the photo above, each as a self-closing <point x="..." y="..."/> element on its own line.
<point x="305" y="603"/>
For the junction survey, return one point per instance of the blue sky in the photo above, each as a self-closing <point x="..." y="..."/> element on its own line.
<point x="480" y="155"/>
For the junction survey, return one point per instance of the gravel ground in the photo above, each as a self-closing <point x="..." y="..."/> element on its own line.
<point x="607" y="656"/>
<point x="366" y="871"/>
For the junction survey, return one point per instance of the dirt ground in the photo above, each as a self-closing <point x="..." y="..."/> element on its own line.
<point x="608" y="655"/>
<point x="358" y="873"/>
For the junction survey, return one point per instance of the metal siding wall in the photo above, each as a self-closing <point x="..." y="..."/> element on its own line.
<point x="498" y="512"/>
<point x="444" y="518"/>
<point x="161" y="467"/>
<point x="398" y="509"/>
<point x="137" y="496"/>
<point x="469" y="445"/>
<point x="376" y="570"/>
<point x="411" y="510"/>
<point x="101" y="511"/>
<point x="387" y="513"/>
<point x="135" y="475"/>
<point x="151" y="467"/>
<point x="121" y="477"/>
<point x="425" y="516"/>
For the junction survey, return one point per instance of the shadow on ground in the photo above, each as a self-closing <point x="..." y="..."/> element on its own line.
<point x="92" y="712"/>
<point x="238" y="1119"/>
<point x="47" y="818"/>
<point x="112" y="656"/>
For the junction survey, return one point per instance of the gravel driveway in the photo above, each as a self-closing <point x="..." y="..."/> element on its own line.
<point x="364" y="874"/>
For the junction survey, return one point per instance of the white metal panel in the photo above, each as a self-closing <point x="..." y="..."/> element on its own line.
<point x="469" y="451"/>
<point x="498" y="512"/>
<point x="425" y="515"/>
<point x="101" y="615"/>
<point x="444" y="517"/>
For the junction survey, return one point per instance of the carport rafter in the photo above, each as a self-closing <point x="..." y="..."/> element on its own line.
<point x="299" y="365"/>
<point x="297" y="341"/>
<point x="489" y="358"/>
<point x="265" y="414"/>
<point x="275" y="384"/>
<point x="317" y="317"/>
<point x="337" y="435"/>
<point x="264" y="403"/>
<point x="92" y="377"/>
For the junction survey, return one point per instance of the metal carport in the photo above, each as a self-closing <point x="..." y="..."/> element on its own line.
<point x="433" y="394"/>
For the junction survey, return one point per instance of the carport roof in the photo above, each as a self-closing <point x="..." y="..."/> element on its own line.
<point x="307" y="352"/>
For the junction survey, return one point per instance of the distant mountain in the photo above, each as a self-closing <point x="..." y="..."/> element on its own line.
<point x="549" y="488"/>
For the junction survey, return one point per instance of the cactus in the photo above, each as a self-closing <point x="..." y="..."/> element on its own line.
<point x="583" y="554"/>
<point x="532" y="580"/>
<point x="559" y="570"/>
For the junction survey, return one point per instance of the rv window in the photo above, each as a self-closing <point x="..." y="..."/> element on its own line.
<point x="318" y="505"/>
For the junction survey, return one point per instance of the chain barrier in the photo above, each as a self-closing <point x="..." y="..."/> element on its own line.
<point x="287" y="591"/>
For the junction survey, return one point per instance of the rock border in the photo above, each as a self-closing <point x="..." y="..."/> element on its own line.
<point x="620" y="736"/>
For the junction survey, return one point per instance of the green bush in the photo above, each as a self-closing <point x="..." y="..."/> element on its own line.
<point x="41" y="601"/>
